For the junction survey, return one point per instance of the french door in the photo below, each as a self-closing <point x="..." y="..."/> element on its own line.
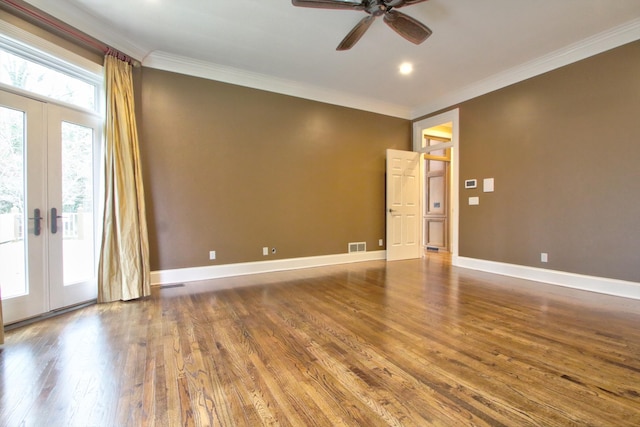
<point x="48" y="205"/>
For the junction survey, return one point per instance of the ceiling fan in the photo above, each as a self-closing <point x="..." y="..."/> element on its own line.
<point x="408" y="27"/>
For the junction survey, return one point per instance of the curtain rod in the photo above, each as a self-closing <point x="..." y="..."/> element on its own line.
<point x="70" y="31"/>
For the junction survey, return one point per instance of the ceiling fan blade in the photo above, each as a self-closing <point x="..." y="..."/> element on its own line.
<point x="410" y="2"/>
<point x="330" y="4"/>
<point x="355" y="34"/>
<point x="401" y="3"/>
<point x="408" y="27"/>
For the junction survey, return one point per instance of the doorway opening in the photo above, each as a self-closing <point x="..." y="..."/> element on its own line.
<point x="436" y="138"/>
<point x="49" y="204"/>
<point x="50" y="143"/>
<point x="436" y="165"/>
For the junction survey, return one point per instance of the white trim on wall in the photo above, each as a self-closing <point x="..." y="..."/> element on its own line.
<point x="601" y="285"/>
<point x="193" y="274"/>
<point x="602" y="42"/>
<point x="598" y="43"/>
<point x="607" y="40"/>
<point x="91" y="25"/>
<point x="207" y="70"/>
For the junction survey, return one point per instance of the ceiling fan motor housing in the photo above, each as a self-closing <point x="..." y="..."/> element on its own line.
<point x="377" y="8"/>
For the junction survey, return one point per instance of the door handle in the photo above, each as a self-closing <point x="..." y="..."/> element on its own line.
<point x="54" y="220"/>
<point x="392" y="210"/>
<point x="37" y="227"/>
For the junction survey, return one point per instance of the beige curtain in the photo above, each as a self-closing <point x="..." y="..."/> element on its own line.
<point x="123" y="271"/>
<point x="1" y="323"/>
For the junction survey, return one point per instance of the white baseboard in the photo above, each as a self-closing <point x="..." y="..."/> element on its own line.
<point x="228" y="270"/>
<point x="601" y="285"/>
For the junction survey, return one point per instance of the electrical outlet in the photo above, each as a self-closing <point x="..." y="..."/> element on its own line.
<point x="544" y="257"/>
<point x="380" y="242"/>
<point x="265" y="251"/>
<point x="212" y="254"/>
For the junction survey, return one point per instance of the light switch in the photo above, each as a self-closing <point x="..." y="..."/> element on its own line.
<point x="487" y="185"/>
<point x="474" y="201"/>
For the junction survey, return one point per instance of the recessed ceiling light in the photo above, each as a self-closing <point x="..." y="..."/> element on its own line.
<point x="406" y="68"/>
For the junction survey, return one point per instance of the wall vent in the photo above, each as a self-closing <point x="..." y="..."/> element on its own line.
<point x="357" y="247"/>
<point x="175" y="285"/>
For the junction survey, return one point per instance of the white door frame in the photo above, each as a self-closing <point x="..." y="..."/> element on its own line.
<point x="418" y="131"/>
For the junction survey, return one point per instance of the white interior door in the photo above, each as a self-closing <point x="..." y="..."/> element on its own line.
<point x="47" y="206"/>
<point x="403" y="205"/>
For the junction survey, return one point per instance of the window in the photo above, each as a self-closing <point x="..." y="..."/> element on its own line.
<point x="53" y="79"/>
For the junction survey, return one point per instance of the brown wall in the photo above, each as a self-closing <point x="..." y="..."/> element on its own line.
<point x="234" y="169"/>
<point x="564" y="149"/>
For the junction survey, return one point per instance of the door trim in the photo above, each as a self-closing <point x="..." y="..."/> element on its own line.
<point x="418" y="128"/>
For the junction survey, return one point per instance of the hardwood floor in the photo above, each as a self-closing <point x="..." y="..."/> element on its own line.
<point x="411" y="343"/>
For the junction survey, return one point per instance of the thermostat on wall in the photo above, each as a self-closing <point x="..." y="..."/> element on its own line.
<point x="471" y="183"/>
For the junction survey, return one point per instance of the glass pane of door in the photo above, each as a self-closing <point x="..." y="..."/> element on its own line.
<point x="22" y="238"/>
<point x="77" y="203"/>
<point x="73" y="142"/>
<point x="13" y="277"/>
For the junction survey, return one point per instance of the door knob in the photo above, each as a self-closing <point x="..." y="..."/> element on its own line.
<point x="54" y="220"/>
<point x="36" y="222"/>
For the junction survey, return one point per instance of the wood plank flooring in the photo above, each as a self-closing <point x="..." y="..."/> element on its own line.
<point x="408" y="343"/>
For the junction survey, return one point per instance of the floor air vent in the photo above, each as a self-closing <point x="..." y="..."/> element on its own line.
<point x="175" y="285"/>
<point x="358" y="247"/>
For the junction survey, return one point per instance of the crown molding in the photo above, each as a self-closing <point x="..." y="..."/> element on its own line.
<point x="193" y="67"/>
<point x="607" y="40"/>
<point x="596" y="44"/>
<point x="90" y="25"/>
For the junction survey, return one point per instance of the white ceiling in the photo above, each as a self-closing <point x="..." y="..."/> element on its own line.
<point x="476" y="46"/>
